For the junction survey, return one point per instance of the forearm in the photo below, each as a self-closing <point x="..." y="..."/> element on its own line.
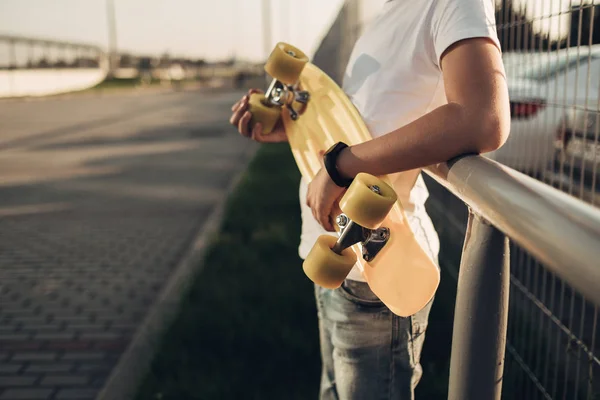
<point x="440" y="135"/>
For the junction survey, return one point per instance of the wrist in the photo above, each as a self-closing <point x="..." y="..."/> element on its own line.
<point x="330" y="162"/>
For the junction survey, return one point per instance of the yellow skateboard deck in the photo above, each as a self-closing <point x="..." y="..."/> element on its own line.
<point x="401" y="274"/>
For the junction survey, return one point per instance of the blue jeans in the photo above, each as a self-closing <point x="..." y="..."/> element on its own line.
<point x="367" y="352"/>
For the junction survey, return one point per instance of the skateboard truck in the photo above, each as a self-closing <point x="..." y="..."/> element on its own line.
<point x="371" y="240"/>
<point x="280" y="94"/>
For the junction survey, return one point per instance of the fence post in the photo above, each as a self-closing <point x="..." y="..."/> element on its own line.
<point x="481" y="314"/>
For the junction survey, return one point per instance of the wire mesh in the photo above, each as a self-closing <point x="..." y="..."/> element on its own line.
<point x="551" y="51"/>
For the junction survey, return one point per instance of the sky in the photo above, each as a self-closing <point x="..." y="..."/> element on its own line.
<point x="207" y="29"/>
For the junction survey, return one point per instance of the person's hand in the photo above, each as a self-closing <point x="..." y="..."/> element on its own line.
<point x="241" y="117"/>
<point x="323" y="198"/>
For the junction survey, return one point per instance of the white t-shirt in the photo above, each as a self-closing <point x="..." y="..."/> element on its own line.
<point x="393" y="77"/>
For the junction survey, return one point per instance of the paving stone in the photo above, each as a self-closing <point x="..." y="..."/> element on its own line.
<point x="94" y="368"/>
<point x="42" y="327"/>
<point x="101" y="336"/>
<point x="69" y="318"/>
<point x="35" y="356"/>
<point x="85" y="356"/>
<point x="9" y="381"/>
<point x="69" y="345"/>
<point x="27" y="394"/>
<point x="31" y="320"/>
<point x="19" y="346"/>
<point x="64" y="380"/>
<point x="97" y="327"/>
<point x="39" y="367"/>
<point x="10" y="368"/>
<point x="54" y="336"/>
<point x="76" y="394"/>
<point x="14" y="336"/>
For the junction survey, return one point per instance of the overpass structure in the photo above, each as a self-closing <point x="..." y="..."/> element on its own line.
<point x="41" y="67"/>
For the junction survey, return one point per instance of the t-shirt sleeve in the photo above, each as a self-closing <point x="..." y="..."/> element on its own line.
<point x="455" y="20"/>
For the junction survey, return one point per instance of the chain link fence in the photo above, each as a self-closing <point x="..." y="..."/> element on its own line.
<point x="552" y="59"/>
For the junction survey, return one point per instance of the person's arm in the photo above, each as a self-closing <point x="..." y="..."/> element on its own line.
<point x="475" y="120"/>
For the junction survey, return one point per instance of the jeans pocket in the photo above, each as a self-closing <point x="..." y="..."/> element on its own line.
<point x="359" y="293"/>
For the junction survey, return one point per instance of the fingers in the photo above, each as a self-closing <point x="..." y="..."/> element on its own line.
<point x="309" y="203"/>
<point x="243" y="124"/>
<point x="257" y="134"/>
<point x="322" y="215"/>
<point x="238" y="113"/>
<point x="241" y="116"/>
<point x="236" y="105"/>
<point x="325" y="221"/>
<point x="335" y="211"/>
<point x="246" y="97"/>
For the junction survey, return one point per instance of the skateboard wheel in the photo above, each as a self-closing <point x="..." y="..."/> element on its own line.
<point x="325" y="267"/>
<point x="286" y="63"/>
<point x="368" y="200"/>
<point x="263" y="112"/>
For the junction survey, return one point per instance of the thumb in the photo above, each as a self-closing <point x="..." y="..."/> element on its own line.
<point x="335" y="211"/>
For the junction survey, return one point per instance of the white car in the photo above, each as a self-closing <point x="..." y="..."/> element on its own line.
<point x="553" y="98"/>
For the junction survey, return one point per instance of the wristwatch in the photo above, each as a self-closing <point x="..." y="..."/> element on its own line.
<point x="330" y="161"/>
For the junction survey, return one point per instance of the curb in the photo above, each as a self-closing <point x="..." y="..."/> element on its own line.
<point x="124" y="379"/>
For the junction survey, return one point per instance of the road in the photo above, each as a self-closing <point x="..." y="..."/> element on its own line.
<point x="99" y="199"/>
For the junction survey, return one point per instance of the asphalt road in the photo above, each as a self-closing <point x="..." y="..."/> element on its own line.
<point x="99" y="199"/>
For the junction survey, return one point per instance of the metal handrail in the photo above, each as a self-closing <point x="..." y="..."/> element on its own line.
<point x="49" y="42"/>
<point x="559" y="230"/>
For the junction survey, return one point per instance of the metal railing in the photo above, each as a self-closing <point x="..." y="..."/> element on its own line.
<point x="558" y="230"/>
<point x="552" y="58"/>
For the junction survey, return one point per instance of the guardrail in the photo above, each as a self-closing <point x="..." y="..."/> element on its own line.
<point x="559" y="230"/>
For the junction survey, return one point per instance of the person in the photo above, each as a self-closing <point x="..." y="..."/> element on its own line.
<point x="427" y="77"/>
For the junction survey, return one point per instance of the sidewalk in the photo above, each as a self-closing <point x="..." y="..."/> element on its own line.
<point x="94" y="223"/>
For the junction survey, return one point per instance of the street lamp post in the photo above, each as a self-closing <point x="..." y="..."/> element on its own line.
<point x="112" y="36"/>
<point x="266" y="8"/>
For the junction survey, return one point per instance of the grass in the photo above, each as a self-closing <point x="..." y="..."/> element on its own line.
<point x="248" y="327"/>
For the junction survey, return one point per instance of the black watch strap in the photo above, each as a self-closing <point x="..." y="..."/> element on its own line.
<point x="330" y="161"/>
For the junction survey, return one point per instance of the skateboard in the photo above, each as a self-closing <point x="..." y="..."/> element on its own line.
<point x="372" y="229"/>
